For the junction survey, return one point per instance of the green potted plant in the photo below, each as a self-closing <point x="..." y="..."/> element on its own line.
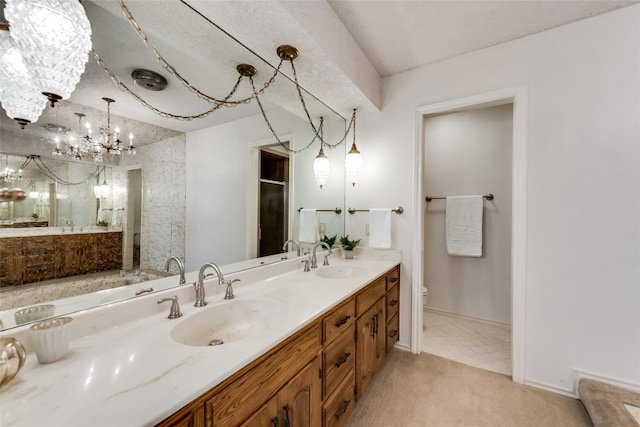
<point x="102" y="223"/>
<point x="329" y="240"/>
<point x="348" y="246"/>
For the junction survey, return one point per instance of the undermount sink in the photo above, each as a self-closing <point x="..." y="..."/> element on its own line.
<point x="339" y="272"/>
<point x="228" y="322"/>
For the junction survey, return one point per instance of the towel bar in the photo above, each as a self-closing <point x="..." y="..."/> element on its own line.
<point x="397" y="210"/>
<point x="336" y="210"/>
<point x="430" y="198"/>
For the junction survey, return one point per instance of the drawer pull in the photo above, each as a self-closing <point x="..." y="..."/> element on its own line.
<point x="274" y="421"/>
<point x="393" y="302"/>
<point x="342" y="321"/>
<point x="343" y="359"/>
<point x="393" y="279"/>
<point x="342" y="409"/>
<point x="393" y="333"/>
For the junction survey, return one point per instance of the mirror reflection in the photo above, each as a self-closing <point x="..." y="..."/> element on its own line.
<point x="222" y="189"/>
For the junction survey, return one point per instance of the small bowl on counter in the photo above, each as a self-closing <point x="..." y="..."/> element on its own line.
<point x="50" y="339"/>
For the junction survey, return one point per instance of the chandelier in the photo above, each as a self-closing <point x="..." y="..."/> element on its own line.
<point x="94" y="147"/>
<point x="43" y="52"/>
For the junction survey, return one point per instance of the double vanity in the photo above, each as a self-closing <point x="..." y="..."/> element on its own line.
<point x="292" y="348"/>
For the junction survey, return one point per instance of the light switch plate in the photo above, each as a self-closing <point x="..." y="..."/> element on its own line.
<point x="323" y="228"/>
<point x="366" y="229"/>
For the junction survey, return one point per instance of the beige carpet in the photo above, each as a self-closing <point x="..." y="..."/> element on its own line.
<point x="428" y="390"/>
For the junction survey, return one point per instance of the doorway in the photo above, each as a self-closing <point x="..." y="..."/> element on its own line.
<point x="273" y="195"/>
<point x="516" y="96"/>
<point x="132" y="252"/>
<point x="467" y="315"/>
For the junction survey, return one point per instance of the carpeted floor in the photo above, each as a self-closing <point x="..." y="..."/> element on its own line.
<point x="427" y="390"/>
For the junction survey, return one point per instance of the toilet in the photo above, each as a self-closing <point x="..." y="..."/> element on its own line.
<point x="425" y="292"/>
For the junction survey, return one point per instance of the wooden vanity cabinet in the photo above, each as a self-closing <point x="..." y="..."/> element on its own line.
<point x="314" y="377"/>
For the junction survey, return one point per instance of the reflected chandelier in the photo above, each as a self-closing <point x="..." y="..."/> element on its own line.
<point x="43" y="52"/>
<point x="94" y="147"/>
<point x="285" y="53"/>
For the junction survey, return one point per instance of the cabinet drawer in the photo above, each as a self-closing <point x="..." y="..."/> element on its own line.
<point x="393" y="278"/>
<point x="338" y="358"/>
<point x="336" y="411"/>
<point x="393" y="302"/>
<point x="338" y="321"/>
<point x="373" y="293"/>
<point x="393" y="332"/>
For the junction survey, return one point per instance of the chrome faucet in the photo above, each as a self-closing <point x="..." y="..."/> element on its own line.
<point x="314" y="261"/>
<point x="199" y="285"/>
<point x="180" y="264"/>
<point x="295" y="243"/>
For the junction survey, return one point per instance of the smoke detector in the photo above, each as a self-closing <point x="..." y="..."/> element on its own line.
<point x="149" y="80"/>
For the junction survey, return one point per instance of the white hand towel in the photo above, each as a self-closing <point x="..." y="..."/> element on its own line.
<point x="308" y="227"/>
<point x="464" y="226"/>
<point x="380" y="228"/>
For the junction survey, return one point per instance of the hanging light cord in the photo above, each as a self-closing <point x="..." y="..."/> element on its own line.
<point x="172" y="70"/>
<point x="51" y="175"/>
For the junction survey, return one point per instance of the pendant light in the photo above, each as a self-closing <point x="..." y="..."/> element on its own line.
<point x="321" y="165"/>
<point x="353" y="162"/>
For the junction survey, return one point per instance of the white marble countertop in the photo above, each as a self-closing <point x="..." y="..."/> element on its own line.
<point x="123" y="368"/>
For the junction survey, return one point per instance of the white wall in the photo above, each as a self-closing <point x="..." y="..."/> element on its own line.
<point x="583" y="195"/>
<point x="469" y="152"/>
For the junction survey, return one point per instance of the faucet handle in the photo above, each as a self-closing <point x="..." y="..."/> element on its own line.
<point x="174" y="312"/>
<point x="306" y="264"/>
<point x="326" y="259"/>
<point x="229" y="292"/>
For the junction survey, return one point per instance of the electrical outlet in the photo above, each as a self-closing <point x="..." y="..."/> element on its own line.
<point x="366" y="229"/>
<point x="323" y="228"/>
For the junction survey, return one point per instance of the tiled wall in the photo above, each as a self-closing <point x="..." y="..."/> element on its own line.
<point x="163" y="200"/>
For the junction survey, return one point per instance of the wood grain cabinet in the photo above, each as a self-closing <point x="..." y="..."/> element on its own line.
<point x="314" y="377"/>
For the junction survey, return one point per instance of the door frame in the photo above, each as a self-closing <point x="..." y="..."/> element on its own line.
<point x="518" y="96"/>
<point x="253" y="191"/>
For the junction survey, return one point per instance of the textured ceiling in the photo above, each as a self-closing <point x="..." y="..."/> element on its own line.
<point x="400" y="35"/>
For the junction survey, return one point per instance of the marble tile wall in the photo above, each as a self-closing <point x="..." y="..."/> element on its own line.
<point x="163" y="201"/>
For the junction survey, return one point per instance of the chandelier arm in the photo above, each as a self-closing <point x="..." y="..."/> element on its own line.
<point x="116" y="80"/>
<point x="273" y="132"/>
<point x="172" y="70"/>
<point x="304" y="106"/>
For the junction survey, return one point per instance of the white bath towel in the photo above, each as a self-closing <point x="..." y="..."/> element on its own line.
<point x="308" y="227"/>
<point x="464" y="225"/>
<point x="380" y="228"/>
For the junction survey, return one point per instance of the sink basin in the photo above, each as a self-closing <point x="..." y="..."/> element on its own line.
<point x="228" y="322"/>
<point x="339" y="272"/>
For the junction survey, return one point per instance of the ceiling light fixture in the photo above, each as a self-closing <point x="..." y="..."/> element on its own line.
<point x="286" y="53"/>
<point x="54" y="38"/>
<point x="353" y="161"/>
<point x="107" y="142"/>
<point x="321" y="164"/>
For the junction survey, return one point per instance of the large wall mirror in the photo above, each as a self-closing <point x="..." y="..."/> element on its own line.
<point x="217" y="189"/>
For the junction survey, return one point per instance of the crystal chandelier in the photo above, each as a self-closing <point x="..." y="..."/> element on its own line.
<point x="8" y="174"/>
<point x="54" y="38"/>
<point x="18" y="95"/>
<point x="94" y="147"/>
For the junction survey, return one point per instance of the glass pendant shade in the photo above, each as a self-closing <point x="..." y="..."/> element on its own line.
<point x="18" y="96"/>
<point x="321" y="168"/>
<point x="54" y="37"/>
<point x="101" y="191"/>
<point x="353" y="164"/>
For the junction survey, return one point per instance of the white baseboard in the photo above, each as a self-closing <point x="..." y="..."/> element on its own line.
<point x="476" y="319"/>
<point x="579" y="374"/>
<point x="552" y="388"/>
<point x="402" y="347"/>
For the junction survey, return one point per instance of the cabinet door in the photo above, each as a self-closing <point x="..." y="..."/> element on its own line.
<point x="266" y="416"/>
<point x="371" y="344"/>
<point x="300" y="401"/>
